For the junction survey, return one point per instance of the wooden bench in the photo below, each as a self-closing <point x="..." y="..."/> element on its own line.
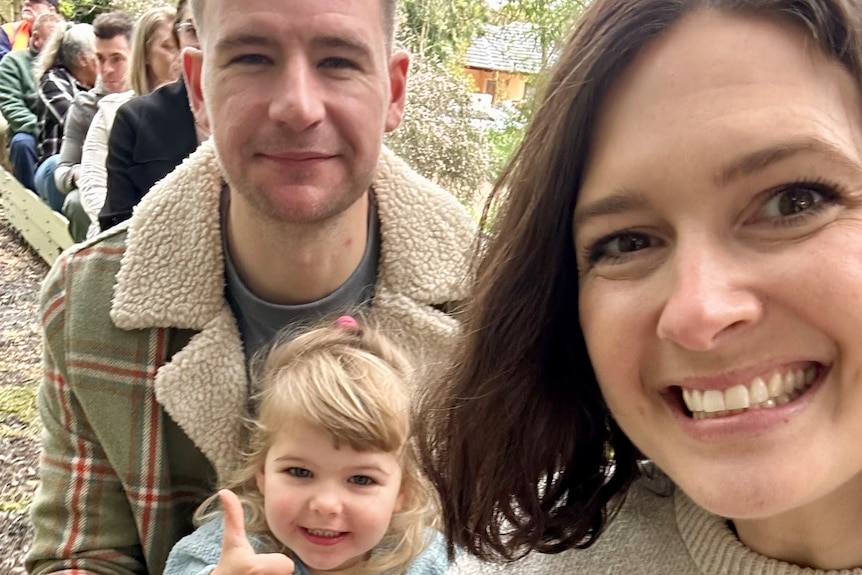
<point x="44" y="229"/>
<point x="4" y="144"/>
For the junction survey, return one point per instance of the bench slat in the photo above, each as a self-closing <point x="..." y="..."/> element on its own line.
<point x="44" y="229"/>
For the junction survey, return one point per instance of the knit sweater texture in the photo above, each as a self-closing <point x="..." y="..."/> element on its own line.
<point x="658" y="531"/>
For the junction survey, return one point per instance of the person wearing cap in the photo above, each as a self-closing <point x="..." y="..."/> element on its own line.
<point x="16" y="35"/>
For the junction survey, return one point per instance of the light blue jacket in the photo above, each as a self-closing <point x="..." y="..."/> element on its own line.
<point x="199" y="552"/>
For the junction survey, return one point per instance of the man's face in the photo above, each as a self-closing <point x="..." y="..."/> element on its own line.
<point x="34" y="8"/>
<point x="113" y="56"/>
<point x="298" y="95"/>
<point x="41" y="33"/>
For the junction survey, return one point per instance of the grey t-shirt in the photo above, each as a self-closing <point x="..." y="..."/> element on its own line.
<point x="260" y="321"/>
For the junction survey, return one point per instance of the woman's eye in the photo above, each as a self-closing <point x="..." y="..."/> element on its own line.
<point x="793" y="201"/>
<point x="362" y="480"/>
<point x="298" y="472"/>
<point x="618" y="245"/>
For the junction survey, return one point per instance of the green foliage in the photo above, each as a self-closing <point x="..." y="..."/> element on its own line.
<point x="138" y="7"/>
<point x="84" y="10"/>
<point x="87" y="10"/>
<point x="506" y="136"/>
<point x="441" y="28"/>
<point x="551" y="19"/>
<point x="437" y="136"/>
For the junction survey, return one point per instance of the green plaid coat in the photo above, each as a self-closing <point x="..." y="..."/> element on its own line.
<point x="145" y="385"/>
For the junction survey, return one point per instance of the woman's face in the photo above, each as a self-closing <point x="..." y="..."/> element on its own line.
<point x="719" y="244"/>
<point x="86" y="70"/>
<point x="163" y="57"/>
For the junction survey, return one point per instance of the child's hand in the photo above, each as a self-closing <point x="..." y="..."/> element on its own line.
<point x="237" y="555"/>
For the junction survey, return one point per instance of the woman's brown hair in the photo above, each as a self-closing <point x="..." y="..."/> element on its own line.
<point x="517" y="438"/>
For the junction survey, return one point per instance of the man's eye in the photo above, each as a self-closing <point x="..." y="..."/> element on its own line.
<point x="338" y="63"/>
<point x="298" y="472"/>
<point x="251" y="60"/>
<point x="362" y="480"/>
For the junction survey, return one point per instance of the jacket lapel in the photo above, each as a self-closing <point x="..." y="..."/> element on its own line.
<point x="172" y="276"/>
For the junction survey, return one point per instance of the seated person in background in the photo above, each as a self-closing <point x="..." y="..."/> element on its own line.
<point x="154" y="63"/>
<point x="66" y="66"/>
<point x="150" y="136"/>
<point x="16" y="35"/>
<point x="113" y="31"/>
<point x="19" y="100"/>
<point x="332" y="480"/>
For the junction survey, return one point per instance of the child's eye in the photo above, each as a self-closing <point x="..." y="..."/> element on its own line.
<point x="298" y="472"/>
<point x="362" y="480"/>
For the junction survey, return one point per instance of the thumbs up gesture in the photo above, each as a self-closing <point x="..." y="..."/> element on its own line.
<point x="237" y="555"/>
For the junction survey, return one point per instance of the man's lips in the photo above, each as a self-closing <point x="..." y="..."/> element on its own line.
<point x="297" y="156"/>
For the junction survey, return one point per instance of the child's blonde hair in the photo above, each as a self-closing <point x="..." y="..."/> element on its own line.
<point x="352" y="381"/>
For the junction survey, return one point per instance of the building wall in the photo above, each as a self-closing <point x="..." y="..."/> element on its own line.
<point x="505" y="87"/>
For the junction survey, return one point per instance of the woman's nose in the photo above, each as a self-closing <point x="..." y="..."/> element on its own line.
<point x="709" y="295"/>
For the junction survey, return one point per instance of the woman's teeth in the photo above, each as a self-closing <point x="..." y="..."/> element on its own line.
<point x="758" y="394"/>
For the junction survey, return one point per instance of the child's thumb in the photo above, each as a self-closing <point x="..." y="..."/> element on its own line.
<point x="234" y="523"/>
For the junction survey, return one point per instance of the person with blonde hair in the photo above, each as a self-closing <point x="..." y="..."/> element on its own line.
<point x="155" y="53"/>
<point x="153" y="64"/>
<point x="152" y="135"/>
<point x="330" y="479"/>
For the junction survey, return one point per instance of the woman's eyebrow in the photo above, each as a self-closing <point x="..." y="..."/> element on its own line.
<point x="753" y="162"/>
<point x="617" y="203"/>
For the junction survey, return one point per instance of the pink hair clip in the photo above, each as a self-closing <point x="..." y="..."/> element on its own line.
<point x="346" y="322"/>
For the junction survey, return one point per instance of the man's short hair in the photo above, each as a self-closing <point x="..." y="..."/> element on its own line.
<point x="47" y="17"/>
<point x="388" y="18"/>
<point x="112" y="24"/>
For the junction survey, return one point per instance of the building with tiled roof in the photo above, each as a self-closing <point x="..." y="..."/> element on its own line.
<point x="503" y="60"/>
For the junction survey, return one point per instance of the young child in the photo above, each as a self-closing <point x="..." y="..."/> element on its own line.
<point x="331" y="481"/>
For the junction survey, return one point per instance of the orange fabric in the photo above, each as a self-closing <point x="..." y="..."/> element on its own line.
<point x="18" y="33"/>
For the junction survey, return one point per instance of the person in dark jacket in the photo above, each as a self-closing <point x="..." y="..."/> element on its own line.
<point x="151" y="135"/>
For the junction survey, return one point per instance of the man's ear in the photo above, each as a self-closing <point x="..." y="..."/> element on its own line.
<point x="399" y="63"/>
<point x="193" y="63"/>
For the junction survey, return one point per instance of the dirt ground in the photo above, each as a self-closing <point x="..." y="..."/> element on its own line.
<point x="21" y="273"/>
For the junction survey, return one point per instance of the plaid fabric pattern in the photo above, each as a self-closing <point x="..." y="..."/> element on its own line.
<point x="129" y="412"/>
<point x="130" y="489"/>
<point x="57" y="89"/>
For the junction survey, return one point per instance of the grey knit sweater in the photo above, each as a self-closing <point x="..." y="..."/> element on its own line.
<point x="659" y="531"/>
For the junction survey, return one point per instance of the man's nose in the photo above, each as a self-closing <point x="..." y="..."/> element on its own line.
<point x="298" y="101"/>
